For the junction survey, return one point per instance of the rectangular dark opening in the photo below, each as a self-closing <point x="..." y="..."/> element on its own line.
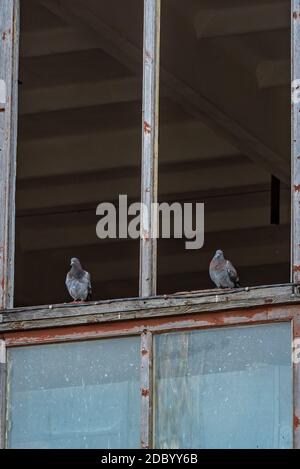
<point x="224" y="135"/>
<point x="79" y="144"/>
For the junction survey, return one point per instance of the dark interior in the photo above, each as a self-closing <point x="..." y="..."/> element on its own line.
<point x="80" y="129"/>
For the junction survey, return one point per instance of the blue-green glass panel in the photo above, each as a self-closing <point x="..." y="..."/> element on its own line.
<point x="75" y="395"/>
<point x="224" y="388"/>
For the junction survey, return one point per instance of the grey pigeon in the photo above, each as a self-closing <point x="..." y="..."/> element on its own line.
<point x="222" y="272"/>
<point x="78" y="282"/>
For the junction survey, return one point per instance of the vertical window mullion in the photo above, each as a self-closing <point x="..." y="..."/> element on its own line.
<point x="9" y="45"/>
<point x="295" y="191"/>
<point x="149" y="183"/>
<point x="146" y="389"/>
<point x="295" y="160"/>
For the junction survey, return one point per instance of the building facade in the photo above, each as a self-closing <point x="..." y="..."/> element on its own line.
<point x="202" y="368"/>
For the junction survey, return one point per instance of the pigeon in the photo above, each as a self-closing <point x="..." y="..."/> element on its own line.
<point x="78" y="282"/>
<point x="222" y="272"/>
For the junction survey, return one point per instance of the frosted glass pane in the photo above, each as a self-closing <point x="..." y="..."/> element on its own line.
<point x="224" y="388"/>
<point x="75" y="395"/>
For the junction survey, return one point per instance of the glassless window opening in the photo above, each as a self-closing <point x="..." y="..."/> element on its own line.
<point x="224" y="388"/>
<point x="227" y="136"/>
<point x="79" y="144"/>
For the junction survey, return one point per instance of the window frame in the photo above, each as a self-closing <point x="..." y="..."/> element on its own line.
<point x="154" y="315"/>
<point x="149" y="161"/>
<point x="147" y="329"/>
<point x="9" y="65"/>
<point x="295" y="148"/>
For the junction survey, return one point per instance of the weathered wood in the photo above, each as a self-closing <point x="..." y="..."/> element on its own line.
<point x="146" y="389"/>
<point x="295" y="190"/>
<point x="257" y="315"/>
<point x="295" y="179"/>
<point x="3" y="366"/>
<point x="9" y="34"/>
<point x="262" y="315"/>
<point x="40" y="317"/>
<point x="148" y="246"/>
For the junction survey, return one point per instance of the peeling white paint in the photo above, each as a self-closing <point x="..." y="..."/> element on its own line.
<point x="2" y="92"/>
<point x="2" y="352"/>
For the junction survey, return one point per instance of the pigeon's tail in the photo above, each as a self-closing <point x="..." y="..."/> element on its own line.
<point x="237" y="285"/>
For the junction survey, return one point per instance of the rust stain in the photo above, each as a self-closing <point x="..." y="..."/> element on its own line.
<point x="5" y="34"/>
<point x="148" y="57"/>
<point x="147" y="129"/>
<point x="296" y="268"/>
<point x="2" y="109"/>
<point x="297" y="188"/>
<point x="269" y="300"/>
<point x="296" y="328"/>
<point x="145" y="392"/>
<point x="295" y="15"/>
<point x="202" y="320"/>
<point x="144" y="352"/>
<point x="296" y="421"/>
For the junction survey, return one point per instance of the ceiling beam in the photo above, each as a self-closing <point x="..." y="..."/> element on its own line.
<point x="81" y="190"/>
<point x="124" y="172"/>
<point x="61" y="40"/>
<point x="182" y="196"/>
<point x="39" y="230"/>
<point x="242" y="19"/>
<point x="110" y="259"/>
<point x="109" y="148"/>
<point x="79" y="95"/>
<point x="116" y="44"/>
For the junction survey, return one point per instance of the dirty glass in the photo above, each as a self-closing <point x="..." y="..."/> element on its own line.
<point x="75" y="395"/>
<point x="224" y="388"/>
